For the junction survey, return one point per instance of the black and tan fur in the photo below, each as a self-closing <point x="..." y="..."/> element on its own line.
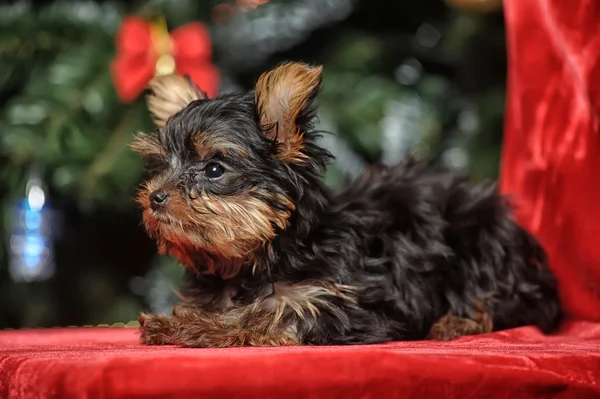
<point x="275" y="258"/>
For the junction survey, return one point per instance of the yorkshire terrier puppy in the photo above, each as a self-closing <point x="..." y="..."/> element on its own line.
<point x="275" y="258"/>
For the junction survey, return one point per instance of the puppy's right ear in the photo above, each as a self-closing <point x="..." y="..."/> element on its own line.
<point x="170" y="94"/>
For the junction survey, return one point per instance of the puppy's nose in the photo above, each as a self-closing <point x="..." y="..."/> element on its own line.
<point x="158" y="199"/>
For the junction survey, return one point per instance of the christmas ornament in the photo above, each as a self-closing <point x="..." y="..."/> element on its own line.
<point x="476" y="5"/>
<point x="31" y="235"/>
<point x="146" y="49"/>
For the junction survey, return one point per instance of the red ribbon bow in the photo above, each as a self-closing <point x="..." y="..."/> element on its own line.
<point x="145" y="50"/>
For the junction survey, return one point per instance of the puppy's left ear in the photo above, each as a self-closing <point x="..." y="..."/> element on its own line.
<point x="169" y="94"/>
<point x="285" y="101"/>
<point x="147" y="146"/>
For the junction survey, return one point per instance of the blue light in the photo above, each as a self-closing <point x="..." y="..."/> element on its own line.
<point x="30" y="237"/>
<point x="33" y="220"/>
<point x="31" y="261"/>
<point x="32" y="250"/>
<point x="32" y="256"/>
<point x="25" y="205"/>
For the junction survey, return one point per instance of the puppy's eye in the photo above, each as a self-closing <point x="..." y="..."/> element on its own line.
<point x="213" y="170"/>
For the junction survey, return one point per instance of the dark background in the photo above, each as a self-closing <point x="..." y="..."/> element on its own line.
<point x="425" y="76"/>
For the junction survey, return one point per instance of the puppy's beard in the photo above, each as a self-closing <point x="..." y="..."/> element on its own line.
<point x="228" y="230"/>
<point x="168" y="230"/>
<point x="190" y="242"/>
<point x="195" y="251"/>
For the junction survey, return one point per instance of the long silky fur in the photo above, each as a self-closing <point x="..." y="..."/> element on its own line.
<point x="415" y="244"/>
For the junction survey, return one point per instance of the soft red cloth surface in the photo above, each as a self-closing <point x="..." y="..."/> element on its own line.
<point x="109" y="363"/>
<point x="551" y="155"/>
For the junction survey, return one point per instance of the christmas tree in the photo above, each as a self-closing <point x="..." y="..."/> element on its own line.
<point x="399" y="76"/>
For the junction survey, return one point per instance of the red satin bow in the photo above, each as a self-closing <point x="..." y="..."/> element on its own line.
<point x="138" y="52"/>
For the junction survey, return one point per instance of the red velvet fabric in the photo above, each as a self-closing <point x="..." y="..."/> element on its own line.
<point x="551" y="155"/>
<point x="109" y="363"/>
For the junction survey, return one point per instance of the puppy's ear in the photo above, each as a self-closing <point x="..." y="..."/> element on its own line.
<point x="168" y="95"/>
<point x="285" y="101"/>
<point x="147" y="146"/>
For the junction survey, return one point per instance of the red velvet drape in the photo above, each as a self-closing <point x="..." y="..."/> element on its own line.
<point x="551" y="155"/>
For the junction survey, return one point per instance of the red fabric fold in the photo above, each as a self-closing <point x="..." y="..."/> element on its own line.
<point x="551" y="154"/>
<point x="109" y="363"/>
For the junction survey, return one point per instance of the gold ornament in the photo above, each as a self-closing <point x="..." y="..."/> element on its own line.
<point x="477" y="5"/>
<point x="165" y="65"/>
<point x="163" y="46"/>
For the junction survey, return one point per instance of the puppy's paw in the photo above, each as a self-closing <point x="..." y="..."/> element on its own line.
<point x="156" y="329"/>
<point x="450" y="327"/>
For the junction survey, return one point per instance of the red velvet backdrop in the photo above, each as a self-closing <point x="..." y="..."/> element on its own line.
<point x="551" y="156"/>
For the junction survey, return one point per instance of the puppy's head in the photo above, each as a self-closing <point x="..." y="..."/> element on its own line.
<point x="221" y="168"/>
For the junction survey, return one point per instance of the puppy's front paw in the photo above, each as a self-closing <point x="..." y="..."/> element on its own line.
<point x="450" y="327"/>
<point x="156" y="329"/>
